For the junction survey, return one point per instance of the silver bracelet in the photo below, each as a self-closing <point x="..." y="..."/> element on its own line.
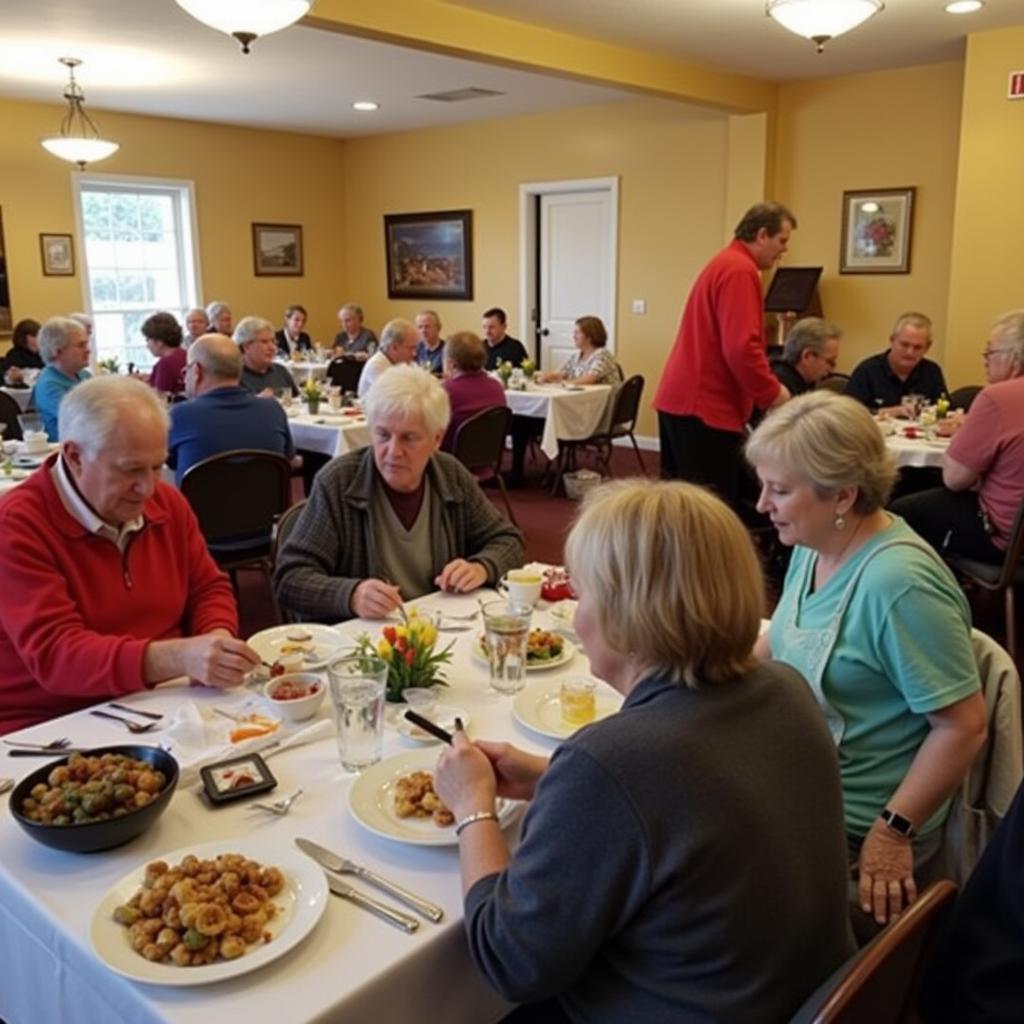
<point x="472" y="819"/>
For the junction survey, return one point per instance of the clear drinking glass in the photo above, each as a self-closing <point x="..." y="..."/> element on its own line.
<point x="358" y="684"/>
<point x="506" y="631"/>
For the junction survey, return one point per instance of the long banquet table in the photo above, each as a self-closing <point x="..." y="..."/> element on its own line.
<point x="352" y="967"/>
<point x="327" y="432"/>
<point x="569" y="414"/>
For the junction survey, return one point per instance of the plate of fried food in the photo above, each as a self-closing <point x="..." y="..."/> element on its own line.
<point x="395" y="799"/>
<point x="544" y="649"/>
<point x="297" y="646"/>
<point x="208" y="912"/>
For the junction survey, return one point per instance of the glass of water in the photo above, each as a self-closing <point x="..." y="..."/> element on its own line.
<point x="358" y="684"/>
<point x="506" y="632"/>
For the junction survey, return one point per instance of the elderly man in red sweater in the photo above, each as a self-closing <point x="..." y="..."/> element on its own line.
<point x="108" y="587"/>
<point x="717" y="371"/>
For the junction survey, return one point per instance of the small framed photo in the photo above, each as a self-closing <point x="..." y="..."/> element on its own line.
<point x="429" y="255"/>
<point x="877" y="227"/>
<point x="277" y="250"/>
<point x="58" y="252"/>
<point x="236" y="778"/>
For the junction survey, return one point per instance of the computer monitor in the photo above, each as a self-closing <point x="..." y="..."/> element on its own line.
<point x="792" y="289"/>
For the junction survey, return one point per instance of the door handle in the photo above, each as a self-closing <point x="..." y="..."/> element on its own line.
<point x="543" y="332"/>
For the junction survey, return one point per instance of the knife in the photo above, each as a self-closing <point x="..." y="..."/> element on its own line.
<point x="382" y="910"/>
<point x="340" y="865"/>
<point x="54" y="754"/>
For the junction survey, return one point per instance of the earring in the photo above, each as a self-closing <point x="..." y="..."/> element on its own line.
<point x="839" y="522"/>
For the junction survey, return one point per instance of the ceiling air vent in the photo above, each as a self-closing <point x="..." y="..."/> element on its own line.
<point x="460" y="95"/>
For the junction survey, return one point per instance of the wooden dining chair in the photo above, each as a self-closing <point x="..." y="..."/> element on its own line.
<point x="880" y="984"/>
<point x="344" y="373"/>
<point x="285" y="523"/>
<point x="480" y="445"/>
<point x="963" y="397"/>
<point x="237" y="497"/>
<point x="835" y="382"/>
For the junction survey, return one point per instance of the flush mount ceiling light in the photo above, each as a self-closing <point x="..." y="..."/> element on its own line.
<point x="365" y="105"/>
<point x="246" y="20"/>
<point x="79" y="140"/>
<point x="964" y="6"/>
<point x="821" y="20"/>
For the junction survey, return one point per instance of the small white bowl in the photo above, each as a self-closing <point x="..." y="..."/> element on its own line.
<point x="297" y="709"/>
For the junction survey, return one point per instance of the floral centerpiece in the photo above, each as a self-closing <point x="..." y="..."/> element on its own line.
<point x="942" y="408"/>
<point x="110" y="365"/>
<point x="529" y="368"/>
<point x="505" y="372"/>
<point x="312" y="395"/>
<point x="408" y="651"/>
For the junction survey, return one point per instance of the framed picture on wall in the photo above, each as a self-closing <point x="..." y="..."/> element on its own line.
<point x="877" y="227"/>
<point x="429" y="255"/>
<point x="277" y="250"/>
<point x="58" y="253"/>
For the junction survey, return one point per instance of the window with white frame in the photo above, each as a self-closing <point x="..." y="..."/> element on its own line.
<point x="140" y="258"/>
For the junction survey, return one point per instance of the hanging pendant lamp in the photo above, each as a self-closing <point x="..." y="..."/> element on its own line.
<point x="246" y="20"/>
<point x="822" y="20"/>
<point x="79" y="141"/>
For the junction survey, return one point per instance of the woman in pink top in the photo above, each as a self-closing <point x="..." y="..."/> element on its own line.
<point x="469" y="388"/>
<point x="163" y="339"/>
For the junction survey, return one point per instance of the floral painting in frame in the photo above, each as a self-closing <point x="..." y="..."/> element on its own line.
<point x="877" y="228"/>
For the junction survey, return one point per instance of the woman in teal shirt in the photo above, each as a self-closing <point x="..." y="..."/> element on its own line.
<point x="880" y="630"/>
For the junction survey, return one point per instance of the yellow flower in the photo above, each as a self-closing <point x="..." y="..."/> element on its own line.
<point x="402" y="631"/>
<point x="428" y="635"/>
<point x="384" y="649"/>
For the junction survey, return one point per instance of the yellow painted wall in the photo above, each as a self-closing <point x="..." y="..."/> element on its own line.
<point x="886" y="129"/>
<point x="672" y="199"/>
<point x="240" y="175"/>
<point x="988" y="225"/>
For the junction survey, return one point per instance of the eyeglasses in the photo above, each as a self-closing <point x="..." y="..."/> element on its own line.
<point x="989" y="352"/>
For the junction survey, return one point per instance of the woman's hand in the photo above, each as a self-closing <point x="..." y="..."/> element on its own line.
<point x="886" y="867"/>
<point x="464" y="778"/>
<point x="517" y="772"/>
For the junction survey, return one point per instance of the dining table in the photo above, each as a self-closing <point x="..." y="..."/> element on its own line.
<point x="328" y="432"/>
<point x="918" y="450"/>
<point x="571" y="412"/>
<point x="303" y="370"/>
<point x="351" y="967"/>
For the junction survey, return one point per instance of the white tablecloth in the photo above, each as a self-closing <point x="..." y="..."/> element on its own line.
<point x="303" y="371"/>
<point x="568" y="415"/>
<point x="328" y="433"/>
<point x="352" y="968"/>
<point x="20" y="395"/>
<point x="917" y="452"/>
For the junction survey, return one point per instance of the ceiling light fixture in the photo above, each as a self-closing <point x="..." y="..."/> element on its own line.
<point x="79" y="140"/>
<point x="821" y="20"/>
<point x="246" y="20"/>
<point x="365" y="105"/>
<point x="964" y="6"/>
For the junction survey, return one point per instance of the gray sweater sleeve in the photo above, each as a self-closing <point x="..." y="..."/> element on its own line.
<point x="581" y="871"/>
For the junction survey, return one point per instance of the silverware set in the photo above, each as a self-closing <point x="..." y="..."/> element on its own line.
<point x="335" y="865"/>
<point x="279" y="807"/>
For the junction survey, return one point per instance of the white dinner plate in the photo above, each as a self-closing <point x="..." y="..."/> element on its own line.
<point x="300" y="905"/>
<point x="29" y="461"/>
<point x="326" y="643"/>
<point x="443" y="715"/>
<point x="568" y="651"/>
<point x="539" y="708"/>
<point x="371" y="802"/>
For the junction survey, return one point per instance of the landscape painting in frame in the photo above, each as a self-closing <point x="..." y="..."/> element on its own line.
<point x="429" y="255"/>
<point x="877" y="228"/>
<point x="277" y="250"/>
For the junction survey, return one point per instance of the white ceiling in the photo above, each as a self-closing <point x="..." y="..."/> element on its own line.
<point x="149" y="57"/>
<point x="736" y="35"/>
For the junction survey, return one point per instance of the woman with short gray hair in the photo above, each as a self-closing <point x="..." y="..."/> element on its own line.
<point x="218" y="314"/>
<point x="395" y="520"/>
<point x="868" y="614"/>
<point x="354" y="340"/>
<point x="64" y="347"/>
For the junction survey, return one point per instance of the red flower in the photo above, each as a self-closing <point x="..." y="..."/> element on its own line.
<point x="389" y="635"/>
<point x="410" y="657"/>
<point x="400" y="645"/>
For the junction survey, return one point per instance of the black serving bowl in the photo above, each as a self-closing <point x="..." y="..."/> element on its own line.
<point x="92" y="836"/>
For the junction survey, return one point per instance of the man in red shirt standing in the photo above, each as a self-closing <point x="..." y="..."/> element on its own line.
<point x="717" y="370"/>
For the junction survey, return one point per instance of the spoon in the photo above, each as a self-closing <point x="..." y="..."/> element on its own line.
<point x="132" y="727"/>
<point x="279" y="807"/>
<point x="58" y="744"/>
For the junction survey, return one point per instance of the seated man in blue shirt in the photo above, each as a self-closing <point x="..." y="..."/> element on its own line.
<point x="260" y="373"/>
<point x="881" y="381"/>
<point x="64" y="346"/>
<point x="222" y="415"/>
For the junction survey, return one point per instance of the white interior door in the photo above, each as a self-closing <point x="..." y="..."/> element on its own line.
<point x="575" y="267"/>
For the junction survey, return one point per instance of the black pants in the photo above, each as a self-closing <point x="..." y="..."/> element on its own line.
<point x="693" y="451"/>
<point x="950" y="521"/>
<point x="524" y="429"/>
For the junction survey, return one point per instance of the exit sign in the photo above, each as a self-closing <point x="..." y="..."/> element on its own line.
<point x="1016" y="85"/>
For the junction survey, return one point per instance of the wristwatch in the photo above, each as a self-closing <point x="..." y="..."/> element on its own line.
<point x="900" y="825"/>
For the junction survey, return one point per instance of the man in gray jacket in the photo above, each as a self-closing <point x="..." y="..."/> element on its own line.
<point x="394" y="521"/>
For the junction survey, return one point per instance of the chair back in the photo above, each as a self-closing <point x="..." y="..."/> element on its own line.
<point x="835" y="382"/>
<point x="9" y="412"/>
<point x="480" y="440"/>
<point x="238" y="493"/>
<point x="287" y="520"/>
<point x="963" y="398"/>
<point x="626" y="406"/>
<point x="345" y="373"/>
<point x="1014" y="551"/>
<point x="881" y="982"/>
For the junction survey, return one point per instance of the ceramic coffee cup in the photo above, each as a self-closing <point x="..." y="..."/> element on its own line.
<point x="521" y="586"/>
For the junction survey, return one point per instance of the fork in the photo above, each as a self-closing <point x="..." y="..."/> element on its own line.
<point x="461" y="618"/>
<point x="58" y="744"/>
<point x="279" y="807"/>
<point x="132" y="727"/>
